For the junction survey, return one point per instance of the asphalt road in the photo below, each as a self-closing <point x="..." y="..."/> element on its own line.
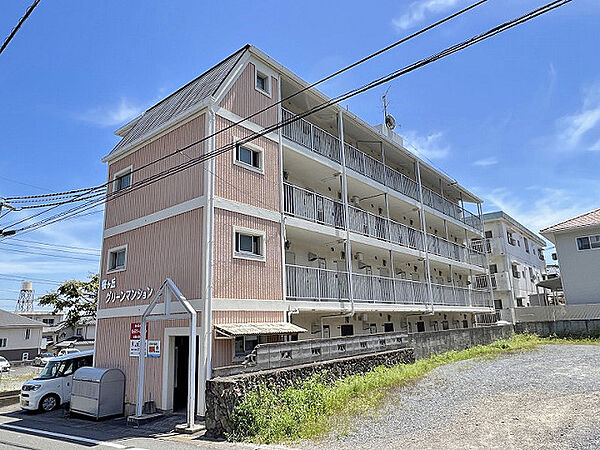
<point x="50" y="431"/>
<point x="543" y="399"/>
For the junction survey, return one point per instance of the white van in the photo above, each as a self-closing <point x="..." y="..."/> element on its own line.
<point x="52" y="387"/>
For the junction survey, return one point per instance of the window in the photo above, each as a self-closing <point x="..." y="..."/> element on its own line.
<point x="27" y="333"/>
<point x="263" y="83"/>
<point x="249" y="244"/>
<point x="595" y="241"/>
<point x="388" y="327"/>
<point x="583" y="243"/>
<point x="48" y="321"/>
<point x="526" y="243"/>
<point x="373" y="328"/>
<point x="498" y="304"/>
<point x="79" y="332"/>
<point x="122" y="180"/>
<point x="117" y="258"/>
<point x="347" y="330"/>
<point x="515" y="271"/>
<point x="488" y="234"/>
<point x="3" y="342"/>
<point x="445" y="325"/>
<point x="519" y="302"/>
<point x="420" y="326"/>
<point x="493" y="268"/>
<point x="465" y="323"/>
<point x="509" y="237"/>
<point x="244" y="345"/>
<point x="249" y="156"/>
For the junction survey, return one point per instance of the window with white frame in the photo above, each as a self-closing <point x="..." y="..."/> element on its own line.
<point x="249" y="243"/>
<point x="3" y="342"/>
<point x="588" y="242"/>
<point x="249" y="156"/>
<point x="117" y="258"/>
<point x="263" y="83"/>
<point x="122" y="180"/>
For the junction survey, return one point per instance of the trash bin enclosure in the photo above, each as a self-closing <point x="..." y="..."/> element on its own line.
<point x="98" y="392"/>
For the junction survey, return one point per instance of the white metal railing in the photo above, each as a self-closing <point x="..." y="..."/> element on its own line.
<point x="482" y="245"/>
<point x="320" y="141"/>
<point x="481" y="281"/>
<point x="300" y="202"/>
<point x="322" y="285"/>
<point x="311" y="206"/>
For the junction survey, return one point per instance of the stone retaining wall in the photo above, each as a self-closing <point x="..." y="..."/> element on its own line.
<point x="224" y="393"/>
<point x="561" y="328"/>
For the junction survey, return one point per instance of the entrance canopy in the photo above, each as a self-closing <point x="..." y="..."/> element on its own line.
<point x="257" y="329"/>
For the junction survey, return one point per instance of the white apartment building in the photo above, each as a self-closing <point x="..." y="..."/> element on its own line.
<point x="516" y="263"/>
<point x="577" y="242"/>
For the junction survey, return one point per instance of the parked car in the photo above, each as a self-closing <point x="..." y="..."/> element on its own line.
<point x="52" y="387"/>
<point x="42" y="359"/>
<point x="4" y="364"/>
<point x="67" y="351"/>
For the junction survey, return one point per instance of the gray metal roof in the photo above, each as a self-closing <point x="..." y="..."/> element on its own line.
<point x="10" y="320"/>
<point x="258" y="328"/>
<point x="179" y="102"/>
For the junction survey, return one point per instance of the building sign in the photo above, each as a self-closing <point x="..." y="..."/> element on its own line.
<point x="136" y="328"/>
<point x="152" y="347"/>
<point x="112" y="294"/>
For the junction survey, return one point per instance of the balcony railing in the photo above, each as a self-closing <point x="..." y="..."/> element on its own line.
<point x="308" y="205"/>
<point x="311" y="206"/>
<point x="481" y="281"/>
<point x="328" y="145"/>
<point x="323" y="285"/>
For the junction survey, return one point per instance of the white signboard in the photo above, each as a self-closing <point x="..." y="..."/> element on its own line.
<point x="152" y="348"/>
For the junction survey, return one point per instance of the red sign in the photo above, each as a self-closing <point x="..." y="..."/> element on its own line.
<point x="136" y="328"/>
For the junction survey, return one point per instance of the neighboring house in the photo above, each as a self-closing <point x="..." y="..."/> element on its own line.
<point x="20" y="337"/>
<point x="63" y="335"/>
<point x="577" y="242"/>
<point x="50" y="320"/>
<point x="327" y="227"/>
<point x="516" y="263"/>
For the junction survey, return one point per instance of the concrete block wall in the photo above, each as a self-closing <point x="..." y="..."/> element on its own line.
<point x="433" y="342"/>
<point x="561" y="328"/>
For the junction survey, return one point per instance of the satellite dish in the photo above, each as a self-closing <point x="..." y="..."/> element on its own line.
<point x="390" y="122"/>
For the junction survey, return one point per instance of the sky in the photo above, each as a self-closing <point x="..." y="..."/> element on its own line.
<point x="515" y="119"/>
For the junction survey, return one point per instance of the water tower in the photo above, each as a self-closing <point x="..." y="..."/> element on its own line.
<point x="25" y="302"/>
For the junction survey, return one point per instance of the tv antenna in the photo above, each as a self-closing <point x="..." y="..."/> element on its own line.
<point x="389" y="120"/>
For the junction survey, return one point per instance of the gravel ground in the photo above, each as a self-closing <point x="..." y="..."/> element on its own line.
<point x="16" y="376"/>
<point x="547" y="398"/>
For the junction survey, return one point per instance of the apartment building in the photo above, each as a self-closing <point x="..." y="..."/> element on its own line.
<point x="324" y="227"/>
<point x="516" y="263"/>
<point x="577" y="243"/>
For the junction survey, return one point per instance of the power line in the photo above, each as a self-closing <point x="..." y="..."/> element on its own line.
<point x="52" y="244"/>
<point x="62" y="250"/>
<point x="39" y="280"/>
<point x="395" y="74"/>
<point x="48" y="255"/>
<point x="306" y="88"/>
<point x="19" y="24"/>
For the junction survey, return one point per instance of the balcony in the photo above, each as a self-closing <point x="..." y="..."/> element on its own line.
<point x="325" y="144"/>
<point x="324" y="285"/>
<point x="314" y="207"/>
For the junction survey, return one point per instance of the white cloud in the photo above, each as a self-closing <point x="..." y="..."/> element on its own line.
<point x="579" y="130"/>
<point x="486" y="162"/>
<point x="418" y="11"/>
<point x="430" y="146"/>
<point x="549" y="206"/>
<point x="108" y="116"/>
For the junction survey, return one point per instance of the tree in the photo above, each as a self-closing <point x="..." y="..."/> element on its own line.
<point x="76" y="299"/>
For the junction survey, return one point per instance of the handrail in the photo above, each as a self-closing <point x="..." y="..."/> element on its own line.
<point x="324" y="143"/>
<point x="317" y="284"/>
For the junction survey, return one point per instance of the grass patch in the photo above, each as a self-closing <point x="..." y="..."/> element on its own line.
<point x="312" y="408"/>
